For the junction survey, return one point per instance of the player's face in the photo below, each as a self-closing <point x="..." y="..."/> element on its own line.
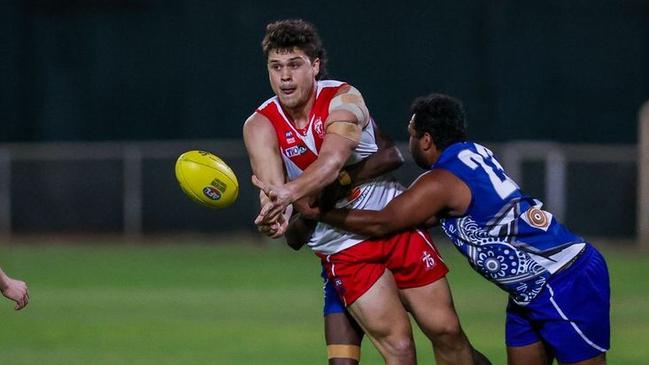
<point x="292" y="76"/>
<point x="414" y="145"/>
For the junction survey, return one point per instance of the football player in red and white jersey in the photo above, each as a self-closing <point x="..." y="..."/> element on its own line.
<point x="309" y="132"/>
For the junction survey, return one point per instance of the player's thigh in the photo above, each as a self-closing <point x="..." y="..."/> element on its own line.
<point x="432" y="307"/>
<point x="597" y="360"/>
<point x="342" y="329"/>
<point x="532" y="354"/>
<point x="380" y="312"/>
<point x="343" y="337"/>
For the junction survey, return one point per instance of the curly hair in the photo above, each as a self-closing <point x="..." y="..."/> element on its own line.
<point x="440" y="115"/>
<point x="295" y="33"/>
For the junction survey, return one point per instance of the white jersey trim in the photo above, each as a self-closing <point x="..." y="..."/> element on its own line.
<point x="558" y="260"/>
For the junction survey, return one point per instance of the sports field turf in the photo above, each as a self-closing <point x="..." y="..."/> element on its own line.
<point x="236" y="304"/>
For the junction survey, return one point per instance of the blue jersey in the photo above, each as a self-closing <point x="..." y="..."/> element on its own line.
<point x="506" y="236"/>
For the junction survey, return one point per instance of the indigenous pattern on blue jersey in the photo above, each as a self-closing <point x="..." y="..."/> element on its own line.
<point x="506" y="236"/>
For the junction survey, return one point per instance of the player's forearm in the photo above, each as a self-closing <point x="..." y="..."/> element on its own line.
<point x="4" y="280"/>
<point x="365" y="222"/>
<point x="381" y="162"/>
<point x="317" y="176"/>
<point x="299" y="231"/>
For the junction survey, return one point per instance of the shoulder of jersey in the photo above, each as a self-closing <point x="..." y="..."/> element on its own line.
<point x="267" y="102"/>
<point x="330" y="83"/>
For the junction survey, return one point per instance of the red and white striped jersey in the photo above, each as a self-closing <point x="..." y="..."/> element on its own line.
<point x="299" y="148"/>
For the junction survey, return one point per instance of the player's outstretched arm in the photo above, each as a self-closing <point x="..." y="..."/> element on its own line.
<point x="263" y="152"/>
<point x="15" y="290"/>
<point x="432" y="193"/>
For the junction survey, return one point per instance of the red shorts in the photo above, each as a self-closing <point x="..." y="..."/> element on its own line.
<point x="411" y="257"/>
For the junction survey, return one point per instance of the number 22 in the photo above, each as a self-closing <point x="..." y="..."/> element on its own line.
<point x="503" y="187"/>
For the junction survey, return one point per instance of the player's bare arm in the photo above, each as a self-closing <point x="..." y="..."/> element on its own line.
<point x="348" y="116"/>
<point x="387" y="158"/>
<point x="442" y="191"/>
<point x="15" y="290"/>
<point x="263" y="151"/>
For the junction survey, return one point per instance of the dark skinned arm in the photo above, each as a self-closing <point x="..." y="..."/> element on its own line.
<point x="387" y="158"/>
<point x="432" y="194"/>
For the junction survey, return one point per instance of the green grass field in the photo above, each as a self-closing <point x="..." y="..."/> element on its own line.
<point x="236" y="304"/>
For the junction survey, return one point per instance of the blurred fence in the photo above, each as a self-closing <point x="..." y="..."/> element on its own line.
<point x="130" y="187"/>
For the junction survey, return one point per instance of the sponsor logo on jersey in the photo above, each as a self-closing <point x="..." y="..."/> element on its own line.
<point x="295" y="151"/>
<point x="289" y="137"/>
<point x="212" y="192"/>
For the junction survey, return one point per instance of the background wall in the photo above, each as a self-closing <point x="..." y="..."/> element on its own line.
<point x="144" y="70"/>
<point x="88" y="70"/>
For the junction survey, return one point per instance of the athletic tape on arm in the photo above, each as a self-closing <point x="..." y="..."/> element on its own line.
<point x="351" y="101"/>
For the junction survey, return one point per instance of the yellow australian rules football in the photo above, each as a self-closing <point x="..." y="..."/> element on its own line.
<point x="206" y="179"/>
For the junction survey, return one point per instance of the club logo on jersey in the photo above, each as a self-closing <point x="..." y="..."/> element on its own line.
<point x="537" y="218"/>
<point x="295" y="151"/>
<point x="318" y="127"/>
<point x="212" y="192"/>
<point x="289" y="137"/>
<point x="428" y="260"/>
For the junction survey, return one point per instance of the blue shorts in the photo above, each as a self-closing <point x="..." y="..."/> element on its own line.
<point x="332" y="303"/>
<point x="571" y="314"/>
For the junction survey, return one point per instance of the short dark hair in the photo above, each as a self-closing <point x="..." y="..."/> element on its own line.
<point x="440" y="115"/>
<point x="295" y="33"/>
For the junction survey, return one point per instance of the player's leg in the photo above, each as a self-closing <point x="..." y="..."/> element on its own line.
<point x="384" y="319"/>
<point x="532" y="354"/>
<point x="342" y="334"/>
<point x="371" y="296"/>
<point x="343" y="337"/>
<point x="538" y="354"/>
<point x="420" y="274"/>
<point x="524" y="342"/>
<point x="597" y="360"/>
<point x="432" y="308"/>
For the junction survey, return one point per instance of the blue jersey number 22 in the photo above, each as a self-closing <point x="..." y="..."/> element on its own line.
<point x="503" y="186"/>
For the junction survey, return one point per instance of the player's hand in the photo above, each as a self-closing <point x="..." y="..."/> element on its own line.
<point x="279" y="199"/>
<point x="16" y="290"/>
<point x="278" y="228"/>
<point x="308" y="208"/>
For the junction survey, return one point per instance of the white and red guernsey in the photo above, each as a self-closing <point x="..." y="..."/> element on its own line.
<point x="299" y="149"/>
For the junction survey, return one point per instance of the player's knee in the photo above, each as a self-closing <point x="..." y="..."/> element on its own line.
<point x="448" y="334"/>
<point x="399" y="346"/>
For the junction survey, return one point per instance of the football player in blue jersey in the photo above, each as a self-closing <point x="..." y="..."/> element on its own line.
<point x="558" y="284"/>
